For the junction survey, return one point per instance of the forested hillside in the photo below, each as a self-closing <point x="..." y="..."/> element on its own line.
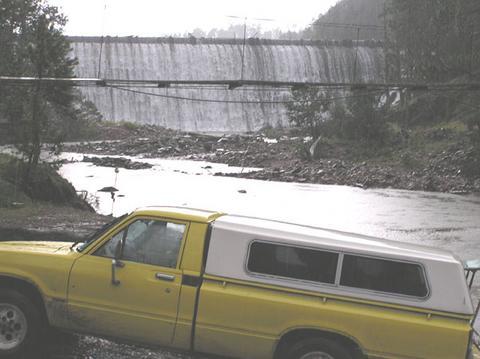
<point x="362" y="12"/>
<point x="433" y="40"/>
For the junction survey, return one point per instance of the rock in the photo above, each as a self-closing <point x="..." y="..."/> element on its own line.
<point x="460" y="192"/>
<point x="315" y="149"/>
<point x="117" y="162"/>
<point x="108" y="189"/>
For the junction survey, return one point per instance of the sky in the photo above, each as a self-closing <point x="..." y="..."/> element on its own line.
<point x="168" y="17"/>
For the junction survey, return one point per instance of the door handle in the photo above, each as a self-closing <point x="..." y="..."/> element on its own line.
<point x="165" y="277"/>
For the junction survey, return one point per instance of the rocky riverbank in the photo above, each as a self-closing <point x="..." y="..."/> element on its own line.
<point x="444" y="162"/>
<point x="48" y="222"/>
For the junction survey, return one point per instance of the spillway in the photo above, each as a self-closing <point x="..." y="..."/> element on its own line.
<point x="134" y="58"/>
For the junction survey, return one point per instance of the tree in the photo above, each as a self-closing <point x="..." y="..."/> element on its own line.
<point x="365" y="121"/>
<point x="33" y="45"/>
<point x="433" y="39"/>
<point x="308" y="110"/>
<point x="363" y="12"/>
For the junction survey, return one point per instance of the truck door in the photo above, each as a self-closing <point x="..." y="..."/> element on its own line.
<point x="129" y="286"/>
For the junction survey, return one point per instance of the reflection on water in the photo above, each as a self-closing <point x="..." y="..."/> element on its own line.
<point x="441" y="220"/>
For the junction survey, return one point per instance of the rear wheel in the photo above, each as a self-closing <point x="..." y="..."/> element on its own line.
<point x="318" y="348"/>
<point x="20" y="326"/>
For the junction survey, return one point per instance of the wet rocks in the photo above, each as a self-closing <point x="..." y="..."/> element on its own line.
<point x="339" y="172"/>
<point x="447" y="168"/>
<point x="117" y="162"/>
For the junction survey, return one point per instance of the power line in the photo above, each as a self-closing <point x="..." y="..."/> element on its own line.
<point x="280" y="102"/>
<point x="235" y="84"/>
<point x="371" y="89"/>
<point x="351" y="26"/>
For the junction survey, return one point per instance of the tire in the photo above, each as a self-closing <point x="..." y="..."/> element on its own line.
<point x="317" y="348"/>
<point x="20" y="327"/>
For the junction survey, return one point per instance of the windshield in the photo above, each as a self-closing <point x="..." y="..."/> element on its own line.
<point x="99" y="232"/>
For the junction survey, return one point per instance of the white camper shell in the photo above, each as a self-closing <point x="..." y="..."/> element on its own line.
<point x="361" y="267"/>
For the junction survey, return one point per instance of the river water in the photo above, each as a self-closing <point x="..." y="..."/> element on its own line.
<point x="441" y="220"/>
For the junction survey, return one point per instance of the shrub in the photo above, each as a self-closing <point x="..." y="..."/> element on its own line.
<point x="309" y="110"/>
<point x="365" y="120"/>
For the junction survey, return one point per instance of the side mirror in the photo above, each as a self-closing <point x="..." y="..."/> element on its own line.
<point x="118" y="250"/>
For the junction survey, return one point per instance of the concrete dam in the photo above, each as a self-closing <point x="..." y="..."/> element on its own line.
<point x="134" y="58"/>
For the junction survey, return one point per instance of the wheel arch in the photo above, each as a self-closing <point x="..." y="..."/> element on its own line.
<point x="28" y="289"/>
<point x="295" y="335"/>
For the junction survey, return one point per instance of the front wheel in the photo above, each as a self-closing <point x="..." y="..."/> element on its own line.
<point x="20" y="323"/>
<point x="318" y="348"/>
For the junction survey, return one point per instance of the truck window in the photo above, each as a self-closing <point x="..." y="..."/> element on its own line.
<point x="148" y="241"/>
<point x="292" y="262"/>
<point x="384" y="276"/>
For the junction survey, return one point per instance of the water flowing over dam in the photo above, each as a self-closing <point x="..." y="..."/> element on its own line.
<point x="135" y="58"/>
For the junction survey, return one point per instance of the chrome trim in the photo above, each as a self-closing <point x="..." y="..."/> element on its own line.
<point x="342" y="297"/>
<point x="165" y="277"/>
<point x="338" y="274"/>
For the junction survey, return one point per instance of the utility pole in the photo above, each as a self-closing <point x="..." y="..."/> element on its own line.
<point x="243" y="47"/>
<point x="356" y="56"/>
<point x="386" y="43"/>
<point x="103" y="38"/>
<point x="242" y="70"/>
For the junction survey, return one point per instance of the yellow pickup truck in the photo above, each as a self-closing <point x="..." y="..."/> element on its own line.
<point x="207" y="282"/>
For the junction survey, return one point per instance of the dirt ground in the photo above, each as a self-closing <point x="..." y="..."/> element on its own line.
<point x="87" y="347"/>
<point x="43" y="221"/>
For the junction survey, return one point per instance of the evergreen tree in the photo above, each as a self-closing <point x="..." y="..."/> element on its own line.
<point x="434" y="40"/>
<point x="362" y="12"/>
<point x="32" y="45"/>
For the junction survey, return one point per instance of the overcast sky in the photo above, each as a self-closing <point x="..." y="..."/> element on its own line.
<point x="166" y="17"/>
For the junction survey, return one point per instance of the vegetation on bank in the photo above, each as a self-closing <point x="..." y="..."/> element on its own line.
<point x="32" y="45"/>
<point x="46" y="186"/>
<point x="371" y="144"/>
<point x="427" y="41"/>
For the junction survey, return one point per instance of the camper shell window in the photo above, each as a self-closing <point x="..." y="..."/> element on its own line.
<point x="392" y="277"/>
<point x="384" y="275"/>
<point x="292" y="262"/>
